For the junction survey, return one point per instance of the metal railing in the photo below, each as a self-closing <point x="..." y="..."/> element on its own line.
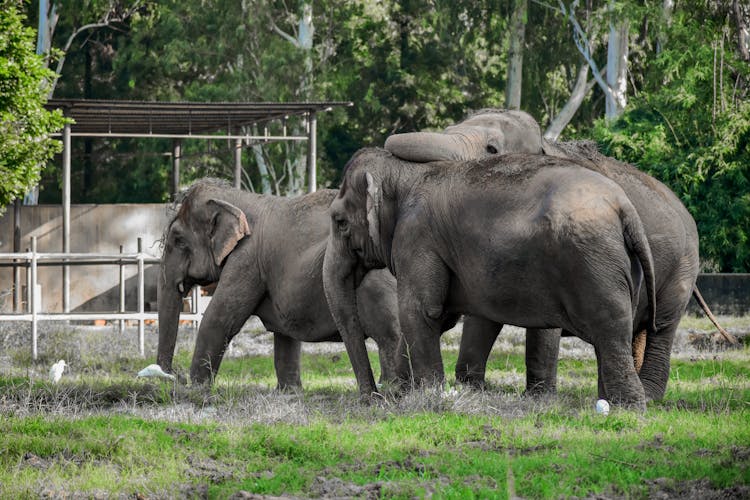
<point x="32" y="260"/>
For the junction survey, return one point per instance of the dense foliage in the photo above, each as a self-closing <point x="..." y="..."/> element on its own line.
<point x="411" y="65"/>
<point x="690" y="127"/>
<point x="25" y="145"/>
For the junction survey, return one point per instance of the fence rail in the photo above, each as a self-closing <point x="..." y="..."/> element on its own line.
<point x="33" y="259"/>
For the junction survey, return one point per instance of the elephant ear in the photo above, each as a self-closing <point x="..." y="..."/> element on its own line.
<point x="374" y="197"/>
<point x="228" y="226"/>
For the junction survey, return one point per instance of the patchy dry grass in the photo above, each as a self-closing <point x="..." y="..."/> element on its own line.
<point x="101" y="432"/>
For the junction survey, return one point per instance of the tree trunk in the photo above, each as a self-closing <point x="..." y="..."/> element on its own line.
<point x="617" y="67"/>
<point x="515" y="55"/>
<point x="666" y="19"/>
<point x="743" y="36"/>
<point x="561" y="120"/>
<point x="265" y="180"/>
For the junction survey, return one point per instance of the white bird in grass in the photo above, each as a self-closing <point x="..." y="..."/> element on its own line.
<point x="55" y="373"/>
<point x="155" y="371"/>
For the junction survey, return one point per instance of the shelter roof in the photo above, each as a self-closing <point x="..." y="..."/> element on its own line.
<point x="151" y="118"/>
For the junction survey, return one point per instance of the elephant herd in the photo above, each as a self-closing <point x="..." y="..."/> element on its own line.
<point x="485" y="219"/>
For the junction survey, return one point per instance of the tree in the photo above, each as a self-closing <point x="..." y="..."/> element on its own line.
<point x="689" y="126"/>
<point x="25" y="125"/>
<point x="515" y="55"/>
<point x="94" y="15"/>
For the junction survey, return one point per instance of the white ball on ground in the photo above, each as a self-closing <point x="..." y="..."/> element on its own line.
<point x="602" y="407"/>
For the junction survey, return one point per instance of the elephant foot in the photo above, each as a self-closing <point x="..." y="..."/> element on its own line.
<point x="538" y="388"/>
<point x="474" y="381"/>
<point x="181" y="378"/>
<point x="371" y="398"/>
<point x="636" y="406"/>
<point x="634" y="402"/>
<point x="286" y="388"/>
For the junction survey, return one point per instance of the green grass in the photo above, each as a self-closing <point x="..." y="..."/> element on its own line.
<point x="101" y="432"/>
<point x="549" y="454"/>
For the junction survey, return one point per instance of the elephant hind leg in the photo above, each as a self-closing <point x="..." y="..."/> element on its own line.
<point x="654" y="373"/>
<point x="618" y="381"/>
<point x="479" y="334"/>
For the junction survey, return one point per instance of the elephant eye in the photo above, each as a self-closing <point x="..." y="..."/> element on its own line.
<point x="180" y="243"/>
<point x="342" y="224"/>
<point x="491" y="149"/>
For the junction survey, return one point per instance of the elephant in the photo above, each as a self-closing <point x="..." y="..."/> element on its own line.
<point x="523" y="239"/>
<point x="266" y="255"/>
<point x="671" y="231"/>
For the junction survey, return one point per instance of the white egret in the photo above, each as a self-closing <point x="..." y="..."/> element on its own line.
<point x="55" y="373"/>
<point x="155" y="371"/>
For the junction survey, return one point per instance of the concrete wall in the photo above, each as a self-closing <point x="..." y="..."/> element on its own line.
<point x="725" y="293"/>
<point x="93" y="229"/>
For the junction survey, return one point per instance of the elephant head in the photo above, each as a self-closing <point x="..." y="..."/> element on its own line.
<point x="485" y="133"/>
<point x="362" y="224"/>
<point x="198" y="239"/>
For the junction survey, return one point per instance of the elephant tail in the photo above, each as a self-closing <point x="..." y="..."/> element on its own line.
<point x="699" y="298"/>
<point x="635" y="238"/>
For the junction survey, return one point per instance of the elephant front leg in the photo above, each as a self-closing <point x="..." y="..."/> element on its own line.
<point x="479" y="334"/>
<point x="542" y="352"/>
<point x="287" y="353"/>
<point x="227" y="312"/>
<point x="421" y="314"/>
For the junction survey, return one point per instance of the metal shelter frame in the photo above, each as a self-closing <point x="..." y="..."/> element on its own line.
<point x="178" y="121"/>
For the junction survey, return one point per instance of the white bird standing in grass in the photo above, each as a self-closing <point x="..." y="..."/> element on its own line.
<point x="55" y="373"/>
<point x="155" y="371"/>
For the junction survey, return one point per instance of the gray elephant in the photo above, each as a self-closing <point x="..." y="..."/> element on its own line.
<point x="523" y="239"/>
<point x="671" y="231"/>
<point x="266" y="253"/>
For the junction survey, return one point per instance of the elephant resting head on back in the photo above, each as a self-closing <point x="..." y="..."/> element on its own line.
<point x="484" y="133"/>
<point x="669" y="227"/>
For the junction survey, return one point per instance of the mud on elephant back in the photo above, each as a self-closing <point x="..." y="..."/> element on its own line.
<point x="670" y="230"/>
<point x="266" y="255"/>
<point x="529" y="240"/>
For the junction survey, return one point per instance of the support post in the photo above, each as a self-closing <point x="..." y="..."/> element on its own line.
<point x="122" y="292"/>
<point x="31" y="286"/>
<point x="195" y="294"/>
<point x="16" y="249"/>
<point x="238" y="163"/>
<point x="141" y="298"/>
<point x="66" y="215"/>
<point x="176" y="155"/>
<point x="28" y="285"/>
<point x="312" y="128"/>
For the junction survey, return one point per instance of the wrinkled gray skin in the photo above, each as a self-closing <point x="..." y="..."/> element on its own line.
<point x="670" y="229"/>
<point x="266" y="253"/>
<point x="529" y="240"/>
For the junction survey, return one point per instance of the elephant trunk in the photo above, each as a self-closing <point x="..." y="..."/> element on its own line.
<point x="339" y="284"/>
<point x="431" y="146"/>
<point x="170" y="305"/>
